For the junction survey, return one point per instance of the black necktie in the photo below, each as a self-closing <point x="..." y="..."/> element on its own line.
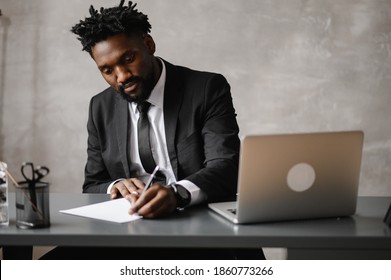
<point x="144" y="144"/>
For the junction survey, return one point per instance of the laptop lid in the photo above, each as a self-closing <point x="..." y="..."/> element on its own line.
<point x="296" y="176"/>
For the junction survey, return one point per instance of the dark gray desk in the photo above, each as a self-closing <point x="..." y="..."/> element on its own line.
<point x="363" y="235"/>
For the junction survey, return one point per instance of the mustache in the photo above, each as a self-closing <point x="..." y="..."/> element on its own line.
<point x="135" y="79"/>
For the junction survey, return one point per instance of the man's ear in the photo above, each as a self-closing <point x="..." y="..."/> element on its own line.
<point x="150" y="43"/>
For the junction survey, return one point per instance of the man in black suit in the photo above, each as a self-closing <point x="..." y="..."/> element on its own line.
<point x="194" y="129"/>
<point x="194" y="132"/>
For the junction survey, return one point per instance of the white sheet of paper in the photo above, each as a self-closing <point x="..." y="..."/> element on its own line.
<point x="115" y="210"/>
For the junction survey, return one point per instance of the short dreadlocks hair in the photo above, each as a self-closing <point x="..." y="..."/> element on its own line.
<point x="110" y="21"/>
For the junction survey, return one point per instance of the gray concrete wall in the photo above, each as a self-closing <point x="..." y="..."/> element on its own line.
<point x="294" y="66"/>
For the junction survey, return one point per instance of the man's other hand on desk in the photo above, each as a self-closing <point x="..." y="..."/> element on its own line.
<point x="157" y="201"/>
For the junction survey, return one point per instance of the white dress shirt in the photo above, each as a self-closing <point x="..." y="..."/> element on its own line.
<point x="158" y="142"/>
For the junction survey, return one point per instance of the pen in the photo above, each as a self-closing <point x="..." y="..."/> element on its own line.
<point x="150" y="179"/>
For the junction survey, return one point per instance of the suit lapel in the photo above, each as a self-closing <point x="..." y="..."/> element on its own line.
<point x="122" y="126"/>
<point x="172" y="103"/>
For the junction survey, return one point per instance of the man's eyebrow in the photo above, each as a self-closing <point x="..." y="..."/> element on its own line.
<point x="121" y="57"/>
<point x="126" y="53"/>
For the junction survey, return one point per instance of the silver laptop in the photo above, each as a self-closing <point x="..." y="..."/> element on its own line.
<point x="296" y="176"/>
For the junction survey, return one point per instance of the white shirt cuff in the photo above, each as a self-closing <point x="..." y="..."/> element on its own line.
<point x="197" y="195"/>
<point x="112" y="184"/>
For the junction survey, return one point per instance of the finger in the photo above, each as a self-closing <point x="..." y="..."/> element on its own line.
<point x="114" y="193"/>
<point x="156" y="204"/>
<point x="115" y="190"/>
<point x="156" y="208"/>
<point x="145" y="207"/>
<point x="137" y="183"/>
<point x="144" y="198"/>
<point x="155" y="212"/>
<point x="125" y="187"/>
<point x="132" y="198"/>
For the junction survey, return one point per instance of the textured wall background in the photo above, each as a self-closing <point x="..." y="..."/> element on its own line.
<point x="294" y="66"/>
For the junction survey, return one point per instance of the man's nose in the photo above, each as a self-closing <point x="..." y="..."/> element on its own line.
<point x="123" y="75"/>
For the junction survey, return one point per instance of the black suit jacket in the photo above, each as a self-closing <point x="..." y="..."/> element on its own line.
<point x="201" y="133"/>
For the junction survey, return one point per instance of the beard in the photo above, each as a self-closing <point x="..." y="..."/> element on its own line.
<point x="144" y="88"/>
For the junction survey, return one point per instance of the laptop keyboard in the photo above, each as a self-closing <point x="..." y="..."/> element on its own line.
<point x="232" y="210"/>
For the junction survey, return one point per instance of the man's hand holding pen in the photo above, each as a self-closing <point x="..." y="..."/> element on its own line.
<point x="150" y="200"/>
<point x="156" y="201"/>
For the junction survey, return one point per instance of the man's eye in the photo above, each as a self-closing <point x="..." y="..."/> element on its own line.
<point x="129" y="59"/>
<point x="106" y="71"/>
